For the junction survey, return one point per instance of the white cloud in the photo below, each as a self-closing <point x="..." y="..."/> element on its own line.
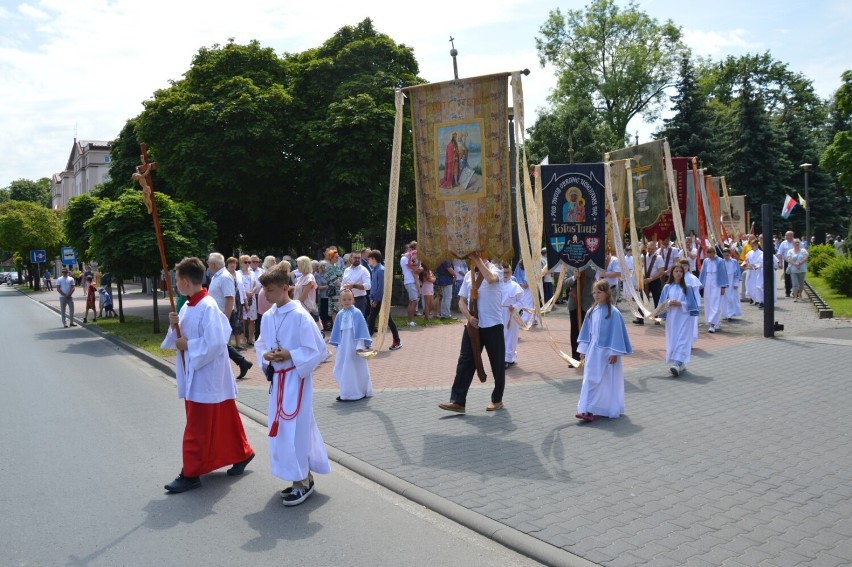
<point x="714" y="43"/>
<point x="34" y="13"/>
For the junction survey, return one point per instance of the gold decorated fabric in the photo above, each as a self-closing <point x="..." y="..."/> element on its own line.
<point x="461" y="167"/>
<point x="650" y="192"/>
<point x="618" y="171"/>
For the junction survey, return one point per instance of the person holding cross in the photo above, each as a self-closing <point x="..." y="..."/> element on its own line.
<point x="488" y="324"/>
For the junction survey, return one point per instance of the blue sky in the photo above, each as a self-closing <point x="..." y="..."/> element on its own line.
<point x="87" y="65"/>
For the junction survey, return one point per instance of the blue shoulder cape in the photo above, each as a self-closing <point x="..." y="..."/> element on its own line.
<point x="359" y="327"/>
<point x="691" y="301"/>
<point x="721" y="273"/>
<point x="613" y="333"/>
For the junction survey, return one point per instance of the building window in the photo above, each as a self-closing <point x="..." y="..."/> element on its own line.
<point x="106" y="159"/>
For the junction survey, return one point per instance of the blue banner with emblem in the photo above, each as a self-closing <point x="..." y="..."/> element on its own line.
<point x="574" y="218"/>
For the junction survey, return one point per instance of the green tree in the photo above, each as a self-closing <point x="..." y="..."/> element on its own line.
<point x="74" y="217"/>
<point x="623" y="57"/>
<point x="220" y="137"/>
<point x="4" y="195"/>
<point x="690" y="129"/>
<point x="342" y="133"/>
<point x="122" y="236"/>
<point x="571" y="124"/>
<point x="31" y="191"/>
<point x="837" y="157"/>
<point x="125" y="155"/>
<point x="26" y="226"/>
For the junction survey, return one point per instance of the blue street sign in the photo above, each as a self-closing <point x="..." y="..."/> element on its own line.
<point x="38" y="256"/>
<point x="69" y="256"/>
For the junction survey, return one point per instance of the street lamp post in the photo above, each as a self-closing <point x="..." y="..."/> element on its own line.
<point x="806" y="167"/>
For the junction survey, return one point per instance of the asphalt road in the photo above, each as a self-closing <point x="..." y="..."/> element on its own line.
<point x="90" y="435"/>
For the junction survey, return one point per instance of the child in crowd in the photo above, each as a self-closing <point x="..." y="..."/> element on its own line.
<point x="90" y="300"/>
<point x="290" y="347"/>
<point x="681" y="313"/>
<point x="214" y="435"/>
<point x="351" y="336"/>
<point x="602" y="342"/>
<point x="512" y="293"/>
<point x="427" y="291"/>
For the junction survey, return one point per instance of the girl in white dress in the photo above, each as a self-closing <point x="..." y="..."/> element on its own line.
<point x="350" y="335"/>
<point x="680" y="315"/>
<point x="602" y="342"/>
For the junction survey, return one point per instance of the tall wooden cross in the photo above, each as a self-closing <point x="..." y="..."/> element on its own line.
<point x="143" y="177"/>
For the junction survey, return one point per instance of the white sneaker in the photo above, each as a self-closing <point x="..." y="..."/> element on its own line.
<point x="675" y="370"/>
<point x="711" y="329"/>
<point x="412" y="324"/>
<point x="682" y="367"/>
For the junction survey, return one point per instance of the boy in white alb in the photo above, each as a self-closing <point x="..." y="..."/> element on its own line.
<point x="214" y="435"/>
<point x="512" y="295"/>
<point x="350" y="335"/>
<point x="290" y="347"/>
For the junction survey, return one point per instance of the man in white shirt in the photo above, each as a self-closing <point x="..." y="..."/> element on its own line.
<point x="782" y="249"/>
<point x="222" y="290"/>
<point x="489" y="324"/>
<point x="65" y="286"/>
<point x="357" y="279"/>
<point x="670" y="256"/>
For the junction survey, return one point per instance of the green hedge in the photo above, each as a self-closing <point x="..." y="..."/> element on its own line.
<point x="838" y="274"/>
<point x="819" y="255"/>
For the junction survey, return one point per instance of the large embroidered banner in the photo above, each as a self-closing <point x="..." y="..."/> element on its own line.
<point x="619" y="189"/>
<point x="574" y="213"/>
<point x="461" y="166"/>
<point x="664" y="227"/>
<point x="650" y="196"/>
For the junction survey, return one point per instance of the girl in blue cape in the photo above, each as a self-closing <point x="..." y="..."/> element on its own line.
<point x="350" y="335"/>
<point x="681" y="313"/>
<point x="602" y="342"/>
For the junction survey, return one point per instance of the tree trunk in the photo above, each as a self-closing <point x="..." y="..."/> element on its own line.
<point x="155" y="285"/>
<point x="120" y="303"/>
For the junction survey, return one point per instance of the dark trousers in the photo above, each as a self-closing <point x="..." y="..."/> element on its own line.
<point x="257" y="326"/>
<point x="575" y="330"/>
<point x="235" y="355"/>
<point x="361" y="304"/>
<point x="548" y="291"/>
<point x="656" y="289"/>
<point x="788" y="281"/>
<point x="371" y="322"/>
<point x="492" y="339"/>
<point x="323" y="313"/>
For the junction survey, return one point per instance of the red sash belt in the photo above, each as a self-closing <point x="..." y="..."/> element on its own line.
<point x="279" y="406"/>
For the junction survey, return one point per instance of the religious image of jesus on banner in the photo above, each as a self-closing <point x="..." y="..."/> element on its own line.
<point x="574" y="225"/>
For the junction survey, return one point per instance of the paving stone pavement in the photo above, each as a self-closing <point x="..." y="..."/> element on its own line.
<point x="744" y="460"/>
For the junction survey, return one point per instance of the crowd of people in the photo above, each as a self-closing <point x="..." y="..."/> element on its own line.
<point x="285" y="308"/>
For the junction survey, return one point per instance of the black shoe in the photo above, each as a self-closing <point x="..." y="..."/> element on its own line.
<point x="244" y="368"/>
<point x="638" y="321"/>
<point x="183" y="483"/>
<point x="296" y="496"/>
<point x="238" y="468"/>
<point x="396" y="346"/>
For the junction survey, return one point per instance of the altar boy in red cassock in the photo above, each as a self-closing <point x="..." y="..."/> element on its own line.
<point x="214" y="436"/>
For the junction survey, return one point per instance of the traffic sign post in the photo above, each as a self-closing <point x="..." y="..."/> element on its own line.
<point x="69" y="256"/>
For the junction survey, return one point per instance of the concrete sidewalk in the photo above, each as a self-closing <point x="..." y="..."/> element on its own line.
<point x="744" y="460"/>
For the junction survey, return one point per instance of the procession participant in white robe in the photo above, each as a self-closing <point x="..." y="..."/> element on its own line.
<point x="602" y="342"/>
<point x="350" y="335"/>
<point x="290" y="347"/>
<point x="754" y="285"/>
<point x="681" y="314"/>
<point x="732" y="299"/>
<point x="714" y="278"/>
<point x="693" y="283"/>
<point x="512" y="294"/>
<point x="520" y="276"/>
<point x="214" y="435"/>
